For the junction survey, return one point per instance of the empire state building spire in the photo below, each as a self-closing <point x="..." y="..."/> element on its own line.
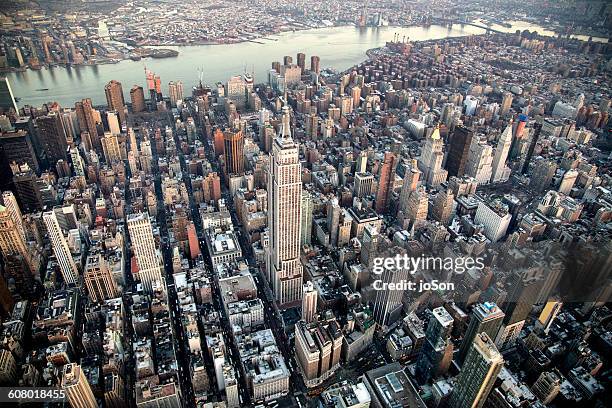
<point x="286" y="123"/>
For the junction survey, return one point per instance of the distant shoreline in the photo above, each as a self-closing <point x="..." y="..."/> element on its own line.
<point x="160" y="51"/>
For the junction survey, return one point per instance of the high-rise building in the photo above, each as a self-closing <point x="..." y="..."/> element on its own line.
<point x="27" y="186"/>
<point x="416" y="207"/>
<point x="543" y="172"/>
<point x="284" y="204"/>
<point x="443" y="206"/>
<point x="52" y="137"/>
<point x="143" y="244"/>
<point x="110" y="148"/>
<point x="236" y="90"/>
<point x="524" y="288"/>
<point x="433" y="359"/>
<point x="301" y="60"/>
<point x="519" y="133"/>
<point x="12" y="239"/>
<point x="480" y="161"/>
<point x="363" y="184"/>
<point x="478" y="374"/>
<point x="388" y="303"/>
<point x="7" y="99"/>
<point x="175" y="89"/>
<point x="306" y="218"/>
<point x="113" y="123"/>
<point x="506" y="103"/>
<point x="233" y="143"/>
<point x="547" y="386"/>
<point x="17" y="147"/>
<point x="10" y="202"/>
<point x="430" y="161"/>
<point x="114" y="391"/>
<point x="458" y="151"/>
<point x="333" y="220"/>
<point x="60" y="248"/>
<point x="8" y="368"/>
<point x="535" y="135"/>
<point x="99" y="279"/>
<point x="318" y="347"/>
<point x="495" y="218"/>
<point x="315" y="64"/>
<point x="114" y="99"/>
<point x="486" y="318"/>
<point x="568" y="181"/>
<point x="138" y="99"/>
<point x="548" y="315"/>
<point x="87" y="120"/>
<point x="386" y="180"/>
<point x="501" y="172"/>
<point x="412" y="176"/>
<point x="309" y="302"/>
<point x="78" y="390"/>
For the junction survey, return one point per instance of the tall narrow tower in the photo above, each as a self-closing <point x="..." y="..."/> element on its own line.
<point x="430" y="161"/>
<point x="60" y="248"/>
<point x="501" y="172"/>
<point x="284" y="201"/>
<point x="478" y="374"/>
<point x="77" y="387"/>
<point x="115" y="99"/>
<point x="147" y="256"/>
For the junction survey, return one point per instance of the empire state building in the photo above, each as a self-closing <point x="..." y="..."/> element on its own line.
<point x="284" y="201"/>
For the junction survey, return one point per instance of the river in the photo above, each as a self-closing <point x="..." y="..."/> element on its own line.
<point x="338" y="47"/>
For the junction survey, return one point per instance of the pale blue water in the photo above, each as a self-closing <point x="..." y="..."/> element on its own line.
<point x="338" y="47"/>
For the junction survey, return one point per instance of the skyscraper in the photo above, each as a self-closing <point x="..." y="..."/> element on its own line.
<point x="7" y="100"/>
<point x="506" y="103"/>
<point x="87" y="121"/>
<point x="233" y="143"/>
<point x="99" y="279"/>
<point x="143" y="244"/>
<point x="315" y="64"/>
<point x="284" y="203"/>
<point x="17" y="147"/>
<point x="486" y="318"/>
<point x="478" y="374"/>
<point x="306" y="218"/>
<point x="12" y="240"/>
<point x="309" y="302"/>
<point x="77" y="387"/>
<point x="301" y="60"/>
<point x="138" y="99"/>
<point x="114" y="99"/>
<point x="52" y="137"/>
<point x="437" y="342"/>
<point x="175" y="89"/>
<point x="458" y="150"/>
<point x="60" y="248"/>
<point x="537" y="129"/>
<point x="385" y="181"/>
<point x="480" y="160"/>
<point x="388" y="303"/>
<point x="501" y="172"/>
<point x="430" y="161"/>
<point x="524" y="288"/>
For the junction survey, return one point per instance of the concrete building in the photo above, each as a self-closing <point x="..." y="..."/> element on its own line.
<point x="478" y="374"/>
<point x="284" y="208"/>
<point x="78" y="390"/>
<point x="318" y="347"/>
<point x="143" y="245"/>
